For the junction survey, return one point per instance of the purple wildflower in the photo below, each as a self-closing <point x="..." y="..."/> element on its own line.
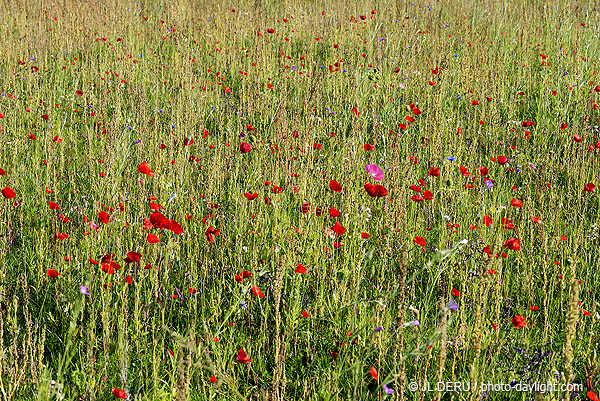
<point x="388" y="390"/>
<point x="452" y="305"/>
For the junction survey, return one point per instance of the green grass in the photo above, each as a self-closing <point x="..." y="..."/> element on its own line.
<point x="156" y="73"/>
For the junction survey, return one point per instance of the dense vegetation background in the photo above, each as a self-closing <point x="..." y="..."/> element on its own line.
<point x="191" y="206"/>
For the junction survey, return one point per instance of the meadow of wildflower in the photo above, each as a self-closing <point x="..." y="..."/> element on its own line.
<point x="299" y="200"/>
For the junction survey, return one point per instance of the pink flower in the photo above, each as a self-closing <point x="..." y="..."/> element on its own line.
<point x="375" y="172"/>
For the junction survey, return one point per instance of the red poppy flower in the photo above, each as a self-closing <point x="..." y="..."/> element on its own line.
<point x="589" y="187"/>
<point x="257" y="292"/>
<point x="516" y="203"/>
<point x="434" y="172"/>
<point x="250" y="196"/>
<point x="376" y="190"/>
<point x="158" y="220"/>
<point x="338" y="228"/>
<point x="513" y="243"/>
<point x="502" y="160"/>
<point x="144" y="168"/>
<point x="334" y="213"/>
<point x="134" y="256"/>
<point x="155" y="206"/>
<point x="118" y="393"/>
<point x="300" y="269"/>
<point x="305" y="314"/>
<point x="53" y="205"/>
<point x="368" y="147"/>
<point x="103" y="217"/>
<point x="53" y="273"/>
<point x="210" y="231"/>
<point x="243" y="275"/>
<point x="153" y="239"/>
<point x="420" y="241"/>
<point x="519" y="322"/>
<point x="242" y="357"/>
<point x="373" y="373"/>
<point x="108" y="265"/>
<point x="8" y="193"/>
<point x="364" y="235"/>
<point x="175" y="227"/>
<point x="108" y="268"/>
<point x="245" y="147"/>
<point x="335" y="186"/>
<point x="487" y="220"/>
